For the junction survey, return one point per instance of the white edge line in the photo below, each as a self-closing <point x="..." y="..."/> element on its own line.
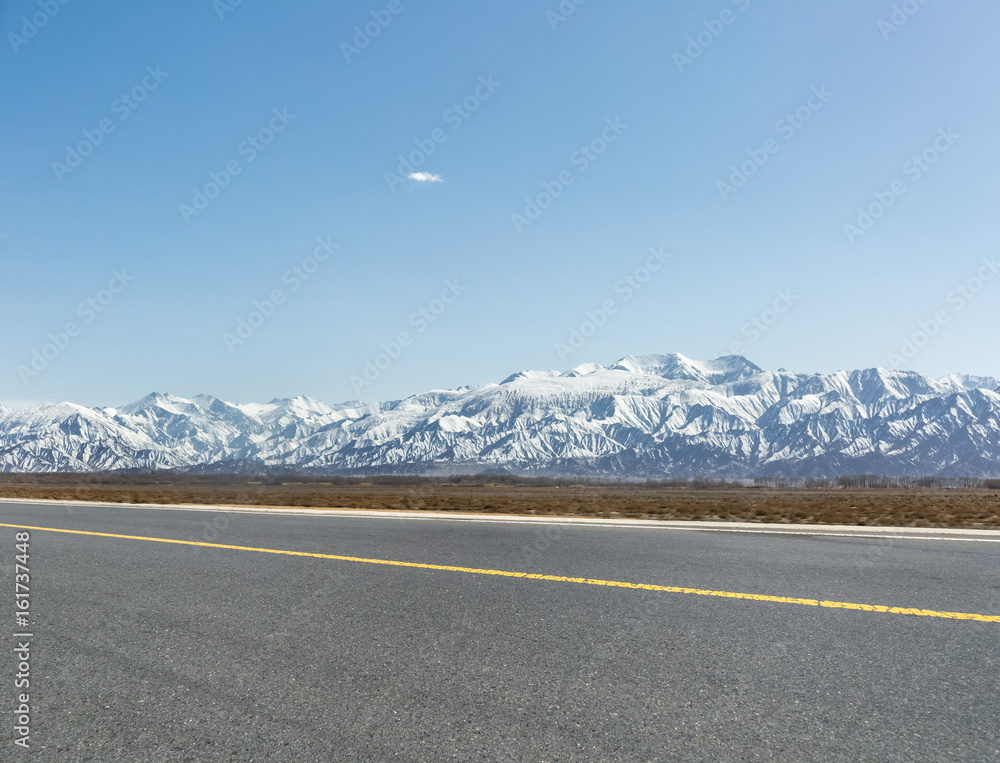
<point x="838" y="531"/>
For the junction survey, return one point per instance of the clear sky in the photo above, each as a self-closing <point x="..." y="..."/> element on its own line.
<point x="589" y="181"/>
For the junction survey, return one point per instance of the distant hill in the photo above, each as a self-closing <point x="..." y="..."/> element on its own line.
<point x="654" y="416"/>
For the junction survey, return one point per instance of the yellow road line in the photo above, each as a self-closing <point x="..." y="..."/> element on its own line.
<point x="552" y="578"/>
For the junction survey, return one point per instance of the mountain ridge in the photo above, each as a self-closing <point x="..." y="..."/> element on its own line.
<point x="650" y="416"/>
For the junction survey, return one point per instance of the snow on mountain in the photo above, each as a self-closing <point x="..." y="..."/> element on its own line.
<point x="650" y="416"/>
<point x="583" y="369"/>
<point x="964" y="381"/>
<point x="675" y="366"/>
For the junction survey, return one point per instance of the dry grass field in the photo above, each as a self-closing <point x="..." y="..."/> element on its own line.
<point x="912" y="507"/>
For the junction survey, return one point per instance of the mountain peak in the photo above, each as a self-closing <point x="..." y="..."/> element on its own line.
<point x="152" y="400"/>
<point x="674" y="366"/>
<point x="584" y="369"/>
<point x="531" y="375"/>
<point x="968" y="381"/>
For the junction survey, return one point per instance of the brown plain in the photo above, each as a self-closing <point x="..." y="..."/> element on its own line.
<point x="910" y="507"/>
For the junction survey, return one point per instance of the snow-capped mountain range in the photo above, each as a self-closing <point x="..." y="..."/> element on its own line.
<point x="643" y="417"/>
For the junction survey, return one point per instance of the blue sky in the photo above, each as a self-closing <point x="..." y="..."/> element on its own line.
<point x="616" y="127"/>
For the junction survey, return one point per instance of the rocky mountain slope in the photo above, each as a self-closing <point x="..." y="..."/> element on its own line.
<point x="652" y="416"/>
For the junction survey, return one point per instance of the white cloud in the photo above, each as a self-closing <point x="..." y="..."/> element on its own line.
<point x="425" y="177"/>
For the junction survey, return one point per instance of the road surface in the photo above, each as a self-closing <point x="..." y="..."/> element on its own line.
<point x="382" y="637"/>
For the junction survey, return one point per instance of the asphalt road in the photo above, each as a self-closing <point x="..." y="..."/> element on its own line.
<point x="152" y="651"/>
